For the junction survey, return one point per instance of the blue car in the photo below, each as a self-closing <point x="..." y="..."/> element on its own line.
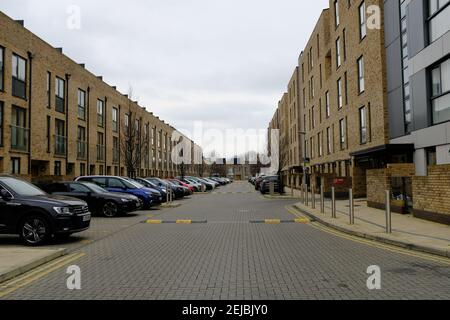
<point x="149" y="184"/>
<point x="148" y="196"/>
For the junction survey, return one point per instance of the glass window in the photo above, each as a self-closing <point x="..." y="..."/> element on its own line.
<point x="339" y="93"/>
<point x="361" y="84"/>
<point x="115" y="119"/>
<point x="100" y="113"/>
<point x="362" y="21"/>
<point x="21" y="187"/>
<point x="59" y="93"/>
<point x="2" y="57"/>
<point x="76" y="187"/>
<point x="362" y="125"/>
<point x="440" y="79"/>
<point x="338" y="52"/>
<point x="342" y="133"/>
<point x="19" y="132"/>
<point x="327" y="104"/>
<point x="336" y="13"/>
<point x="1" y="123"/>
<point x="19" y="66"/>
<point x="439" y="24"/>
<point x="81" y="104"/>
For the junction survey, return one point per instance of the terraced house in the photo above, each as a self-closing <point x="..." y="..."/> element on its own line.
<point x="59" y="121"/>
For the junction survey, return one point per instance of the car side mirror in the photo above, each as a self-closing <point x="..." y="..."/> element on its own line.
<point x="5" y="195"/>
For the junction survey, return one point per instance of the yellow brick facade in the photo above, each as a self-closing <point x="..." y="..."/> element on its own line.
<point x="53" y="149"/>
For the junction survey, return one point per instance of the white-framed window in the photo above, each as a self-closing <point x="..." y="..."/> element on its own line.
<point x="361" y="83"/>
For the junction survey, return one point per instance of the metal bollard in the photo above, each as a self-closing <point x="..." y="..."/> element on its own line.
<point x="313" y="197"/>
<point x="272" y="188"/>
<point x="167" y="194"/>
<point x="333" y="203"/>
<point x="322" y="200"/>
<point x="388" y="213"/>
<point x="351" y="206"/>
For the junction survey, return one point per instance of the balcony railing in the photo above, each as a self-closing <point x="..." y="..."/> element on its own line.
<point x="19" y="138"/>
<point x="100" y="120"/>
<point x="116" y="155"/>
<point x="60" y="104"/>
<point x="81" y="150"/>
<point x="60" y="145"/>
<point x="100" y="152"/>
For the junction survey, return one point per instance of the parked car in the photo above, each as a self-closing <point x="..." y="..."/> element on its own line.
<point x="209" y="186"/>
<point x="37" y="216"/>
<point x="122" y="185"/>
<point x="258" y="181"/>
<point x="99" y="200"/>
<point x="177" y="191"/>
<point x="183" y="184"/>
<point x="199" y="187"/>
<point x="149" y="184"/>
<point x="221" y="181"/>
<point x="265" y="184"/>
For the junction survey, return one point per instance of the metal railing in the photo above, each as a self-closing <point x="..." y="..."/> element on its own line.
<point x="100" y="152"/>
<point x="60" y="145"/>
<point x="19" y="138"/>
<point x="81" y="149"/>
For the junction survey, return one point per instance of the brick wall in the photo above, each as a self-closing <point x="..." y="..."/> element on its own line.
<point x="432" y="195"/>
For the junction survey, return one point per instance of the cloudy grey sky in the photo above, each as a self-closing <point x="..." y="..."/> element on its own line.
<point x="223" y="62"/>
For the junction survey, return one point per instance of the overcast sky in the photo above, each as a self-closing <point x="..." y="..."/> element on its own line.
<point x="223" y="62"/>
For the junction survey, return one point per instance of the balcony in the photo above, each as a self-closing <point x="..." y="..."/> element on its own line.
<point x="100" y="152"/>
<point x="60" y="104"/>
<point x="60" y="145"/>
<point x="116" y="154"/>
<point x="81" y="150"/>
<point x="100" y="120"/>
<point x="19" y="138"/>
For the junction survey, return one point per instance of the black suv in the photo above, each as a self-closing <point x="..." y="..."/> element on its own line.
<point x="36" y="216"/>
<point x="100" y="201"/>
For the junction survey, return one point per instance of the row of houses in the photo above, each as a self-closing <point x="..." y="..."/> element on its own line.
<point x="368" y="106"/>
<point x="59" y="121"/>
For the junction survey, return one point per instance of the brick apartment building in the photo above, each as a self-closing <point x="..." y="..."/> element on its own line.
<point x="59" y="121"/>
<point x="372" y="106"/>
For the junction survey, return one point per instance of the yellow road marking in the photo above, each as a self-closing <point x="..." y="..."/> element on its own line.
<point x="154" y="221"/>
<point x="272" y="221"/>
<point x="184" y="221"/>
<point x="10" y="286"/>
<point x="374" y="243"/>
<point x="302" y="220"/>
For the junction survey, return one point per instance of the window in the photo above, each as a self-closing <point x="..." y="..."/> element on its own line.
<point x="115" y="119"/>
<point x="115" y="150"/>
<point x="342" y="136"/>
<point x="81" y="104"/>
<point x="57" y="168"/>
<point x="82" y="169"/>
<point x="1" y="123"/>
<point x="19" y="67"/>
<point x="76" y="187"/>
<point x="59" y="95"/>
<point x="344" y="43"/>
<point x="49" y="94"/>
<point x="319" y="144"/>
<point x="329" y="141"/>
<point x="81" y="143"/>
<point x="439" y="21"/>
<point x="362" y="125"/>
<point x="127" y="121"/>
<point x="313" y="117"/>
<point x="440" y="95"/>
<point x="19" y="130"/>
<point x="2" y="58"/>
<point x="362" y="21"/>
<point x="49" y="119"/>
<point x="60" y="137"/>
<point x="405" y="67"/>
<point x="327" y="104"/>
<point x="100" y="146"/>
<point x="361" y="84"/>
<point x="15" y="165"/>
<point x="339" y="93"/>
<point x="100" y="113"/>
<point x="338" y="53"/>
<point x="336" y="13"/>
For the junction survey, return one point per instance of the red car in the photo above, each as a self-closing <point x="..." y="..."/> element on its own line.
<point x="181" y="183"/>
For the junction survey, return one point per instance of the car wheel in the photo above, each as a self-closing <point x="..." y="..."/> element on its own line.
<point x="34" y="230"/>
<point x="110" y="209"/>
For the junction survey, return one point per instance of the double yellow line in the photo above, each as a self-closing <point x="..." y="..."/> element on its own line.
<point x="26" y="279"/>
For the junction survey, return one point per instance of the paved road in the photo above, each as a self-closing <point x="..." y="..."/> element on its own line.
<point x="230" y="258"/>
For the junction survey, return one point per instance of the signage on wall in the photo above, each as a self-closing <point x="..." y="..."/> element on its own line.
<point x="339" y="182"/>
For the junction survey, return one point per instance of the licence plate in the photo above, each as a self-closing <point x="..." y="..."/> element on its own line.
<point x="87" y="218"/>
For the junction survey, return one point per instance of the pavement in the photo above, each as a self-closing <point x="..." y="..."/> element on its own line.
<point x="229" y="258"/>
<point x="15" y="260"/>
<point x="407" y="231"/>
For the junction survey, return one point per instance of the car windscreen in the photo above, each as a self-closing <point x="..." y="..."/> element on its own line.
<point x="22" y="188"/>
<point x="94" y="187"/>
<point x="132" y="184"/>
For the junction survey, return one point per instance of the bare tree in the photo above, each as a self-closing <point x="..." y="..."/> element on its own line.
<point x="134" y="141"/>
